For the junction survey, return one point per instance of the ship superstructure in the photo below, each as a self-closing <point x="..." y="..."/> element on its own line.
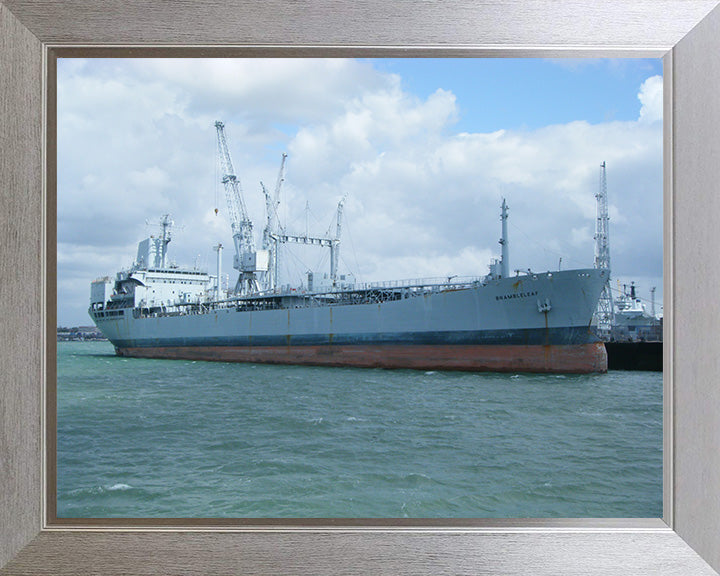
<point x="151" y="283"/>
<point x="536" y="322"/>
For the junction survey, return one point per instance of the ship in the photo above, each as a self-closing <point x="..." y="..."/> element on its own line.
<point x="526" y="322"/>
<point x="632" y="322"/>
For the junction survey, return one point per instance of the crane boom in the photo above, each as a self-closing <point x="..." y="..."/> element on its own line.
<point x="271" y="205"/>
<point x="233" y="192"/>
<point x="267" y="241"/>
<point x="341" y="206"/>
<point x="278" y="184"/>
<point x="335" y="248"/>
<point x="272" y="226"/>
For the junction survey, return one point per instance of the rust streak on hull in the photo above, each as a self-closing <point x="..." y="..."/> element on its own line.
<point x="581" y="358"/>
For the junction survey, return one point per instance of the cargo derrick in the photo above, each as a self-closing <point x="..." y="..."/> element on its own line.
<point x="272" y="228"/>
<point x="276" y="235"/>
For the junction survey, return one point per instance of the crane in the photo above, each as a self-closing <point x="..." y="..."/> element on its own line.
<point x="247" y="260"/>
<point x="272" y="227"/>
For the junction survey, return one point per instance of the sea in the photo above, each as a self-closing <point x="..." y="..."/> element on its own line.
<point x="141" y="438"/>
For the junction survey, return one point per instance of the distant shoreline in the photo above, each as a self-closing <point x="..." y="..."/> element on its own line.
<point x="79" y="334"/>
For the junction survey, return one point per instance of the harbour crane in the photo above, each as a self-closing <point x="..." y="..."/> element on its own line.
<point x="247" y="260"/>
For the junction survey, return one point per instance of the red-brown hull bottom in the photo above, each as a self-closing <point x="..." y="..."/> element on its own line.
<point x="581" y="358"/>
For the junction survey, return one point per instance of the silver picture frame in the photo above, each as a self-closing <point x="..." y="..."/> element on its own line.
<point x="684" y="32"/>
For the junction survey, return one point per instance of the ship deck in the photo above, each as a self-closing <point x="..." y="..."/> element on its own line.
<point x="365" y="293"/>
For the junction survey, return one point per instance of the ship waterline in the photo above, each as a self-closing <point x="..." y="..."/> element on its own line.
<point x="563" y="359"/>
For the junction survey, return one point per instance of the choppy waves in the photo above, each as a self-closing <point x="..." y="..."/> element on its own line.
<point x="139" y="438"/>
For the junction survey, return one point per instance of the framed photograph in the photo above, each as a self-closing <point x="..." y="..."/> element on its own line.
<point x="378" y="230"/>
<point x="690" y="516"/>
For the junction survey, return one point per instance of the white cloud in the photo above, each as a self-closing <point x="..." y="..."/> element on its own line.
<point x="581" y="236"/>
<point x="651" y="98"/>
<point x="136" y="140"/>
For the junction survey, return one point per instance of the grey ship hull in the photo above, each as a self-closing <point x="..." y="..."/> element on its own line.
<point x="534" y="322"/>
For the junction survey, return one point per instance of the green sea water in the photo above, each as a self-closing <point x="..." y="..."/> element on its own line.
<point x="170" y="438"/>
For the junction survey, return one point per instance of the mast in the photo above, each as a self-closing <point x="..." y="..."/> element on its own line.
<point x="604" y="313"/>
<point x="166" y="224"/>
<point x="218" y="249"/>
<point x="652" y="302"/>
<point x="156" y="256"/>
<point x="504" y="260"/>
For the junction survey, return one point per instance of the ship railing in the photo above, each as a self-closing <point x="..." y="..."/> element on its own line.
<point x="432" y="282"/>
<point x="354" y="293"/>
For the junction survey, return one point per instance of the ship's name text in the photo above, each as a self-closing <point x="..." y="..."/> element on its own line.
<point x="516" y="295"/>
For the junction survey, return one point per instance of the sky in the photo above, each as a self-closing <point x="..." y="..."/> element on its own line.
<point x="423" y="151"/>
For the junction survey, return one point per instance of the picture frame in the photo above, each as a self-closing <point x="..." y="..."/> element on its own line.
<point x="684" y="541"/>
